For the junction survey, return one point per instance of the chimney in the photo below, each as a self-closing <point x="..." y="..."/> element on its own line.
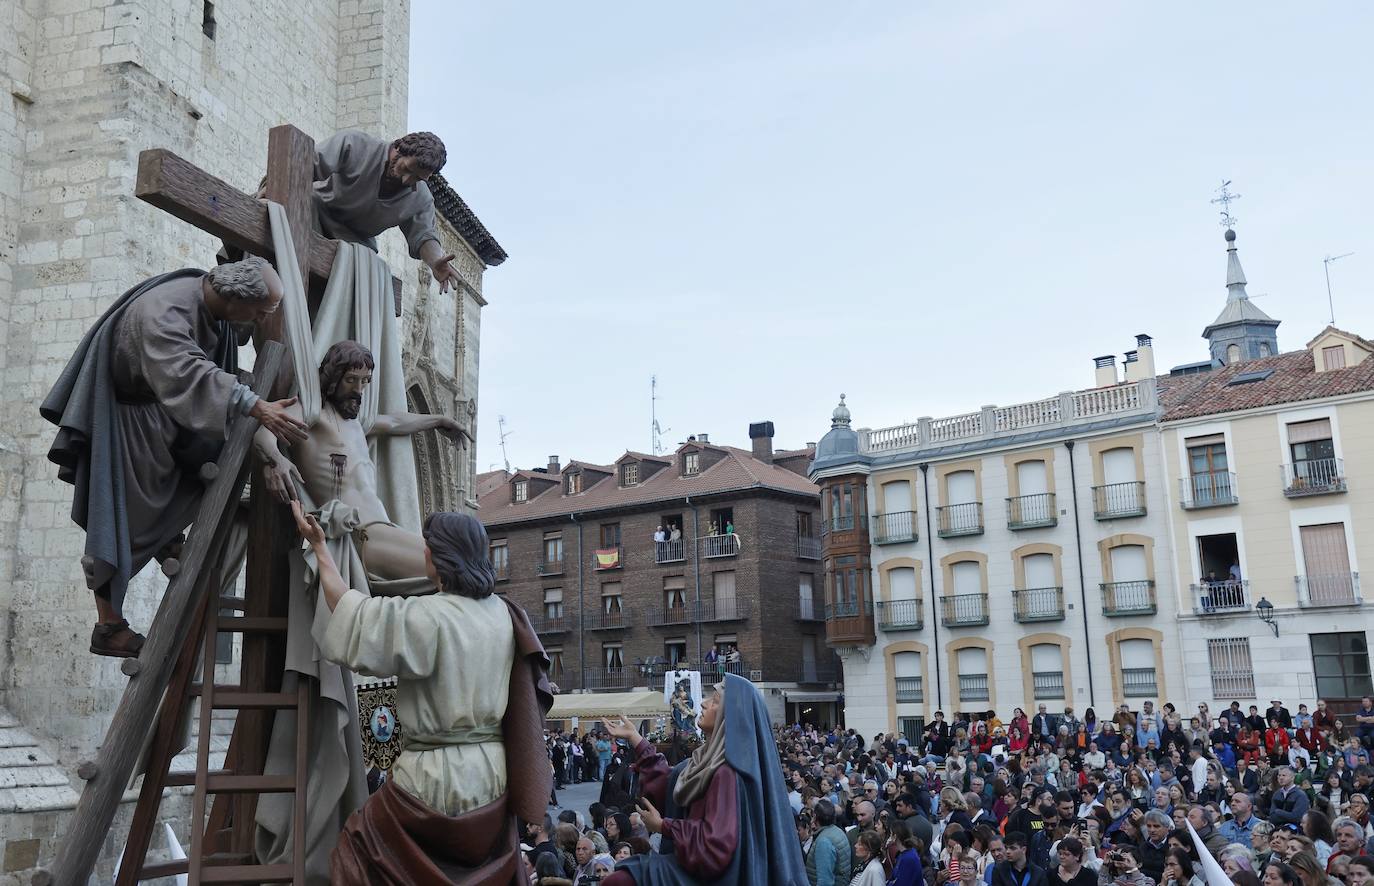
<point x="703" y="438"/>
<point x="761" y="439"/>
<point x="554" y="466"/>
<point x="1106" y="370"/>
<point x="1145" y="351"/>
<point x="1130" y="366"/>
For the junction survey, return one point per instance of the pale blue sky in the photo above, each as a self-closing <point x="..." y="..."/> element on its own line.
<point x="930" y="207"/>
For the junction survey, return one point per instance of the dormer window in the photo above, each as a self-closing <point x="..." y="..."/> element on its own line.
<point x="1333" y="358"/>
<point x="629" y="474"/>
<point x="522" y="491"/>
<point x="574" y="484"/>
<point x="691" y="463"/>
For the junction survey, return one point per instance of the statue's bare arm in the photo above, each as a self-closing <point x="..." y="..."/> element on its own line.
<point x="283" y="479"/>
<point x="407" y="423"/>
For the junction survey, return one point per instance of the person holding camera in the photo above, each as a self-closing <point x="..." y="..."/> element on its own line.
<point x="1122" y="868"/>
<point x="1070" y="870"/>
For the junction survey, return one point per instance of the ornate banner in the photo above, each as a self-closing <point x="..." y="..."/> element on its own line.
<point x="382" y="732"/>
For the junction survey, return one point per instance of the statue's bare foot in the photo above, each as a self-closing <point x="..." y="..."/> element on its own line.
<point x="116" y="639"/>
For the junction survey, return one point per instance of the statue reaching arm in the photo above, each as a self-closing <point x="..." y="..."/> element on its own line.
<point x="407" y="423"/>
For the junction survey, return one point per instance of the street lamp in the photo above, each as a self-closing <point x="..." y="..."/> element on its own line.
<point x="1265" y="610"/>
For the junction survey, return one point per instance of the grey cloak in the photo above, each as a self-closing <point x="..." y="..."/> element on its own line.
<point x="348" y="174"/>
<point x="146" y="394"/>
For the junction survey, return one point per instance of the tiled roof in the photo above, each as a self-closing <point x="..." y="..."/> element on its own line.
<point x="738" y="470"/>
<point x="489" y="480"/>
<point x="1294" y="379"/>
<point x="465" y="221"/>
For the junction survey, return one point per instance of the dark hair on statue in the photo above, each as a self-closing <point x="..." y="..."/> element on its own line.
<point x="458" y="547"/>
<point x="425" y="147"/>
<point x="341" y="357"/>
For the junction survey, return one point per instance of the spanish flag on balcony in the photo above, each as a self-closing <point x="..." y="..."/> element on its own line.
<point x="608" y="559"/>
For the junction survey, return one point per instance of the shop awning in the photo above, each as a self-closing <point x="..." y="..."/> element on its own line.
<point x="811" y="696"/>
<point x="600" y="705"/>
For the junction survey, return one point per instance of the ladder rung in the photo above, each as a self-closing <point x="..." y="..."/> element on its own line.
<point x="228" y="701"/>
<point x="251" y="784"/>
<point x="188" y="778"/>
<point x="237" y="604"/>
<point x="250" y="624"/>
<point x="198" y="689"/>
<point x="164" y="869"/>
<point x="246" y="873"/>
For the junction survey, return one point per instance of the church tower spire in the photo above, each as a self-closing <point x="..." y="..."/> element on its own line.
<point x="1241" y="331"/>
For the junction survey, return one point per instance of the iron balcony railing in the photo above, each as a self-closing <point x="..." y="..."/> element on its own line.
<point x="973" y="687"/>
<point x="549" y="624"/>
<point x="720" y="545"/>
<point x="1038" y="604"/>
<point x="549" y="565"/>
<point x="616" y="562"/>
<point x="960" y="519"/>
<point x="1334" y="589"/>
<point x="963" y="610"/>
<point x="723" y="610"/>
<point x="671" y="615"/>
<point x="607" y="678"/>
<point x="808" y="547"/>
<point x="901" y="615"/>
<point x="812" y="673"/>
<point x="808" y="610"/>
<point x="894" y="527"/>
<point x="1314" y="476"/>
<point x="502" y="570"/>
<point x="1115" y="501"/>
<point x="909" y="690"/>
<point x="1213" y="490"/>
<point x="1138" y="682"/>
<point x="720" y="667"/>
<point x="845" y="609"/>
<point x="1047" y="684"/>
<point x="1215" y="597"/>
<point x="1128" y="597"/>
<point x="606" y="621"/>
<point x="1032" y="511"/>
<point x="669" y="551"/>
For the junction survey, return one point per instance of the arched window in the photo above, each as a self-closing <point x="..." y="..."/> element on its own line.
<point x="429" y="465"/>
<point x="1233" y="353"/>
<point x="1264" y="349"/>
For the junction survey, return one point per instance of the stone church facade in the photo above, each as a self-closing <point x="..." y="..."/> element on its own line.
<point x="84" y="86"/>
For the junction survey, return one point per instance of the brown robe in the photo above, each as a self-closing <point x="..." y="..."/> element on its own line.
<point x="396" y="839"/>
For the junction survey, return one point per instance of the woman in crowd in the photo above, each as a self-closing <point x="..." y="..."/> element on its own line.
<point x="1317" y="827"/>
<point x="1178" y="870"/>
<point x="868" y="850"/>
<point x="906" y="866"/>
<point x="1070" y="870"/>
<point x="1311" y="873"/>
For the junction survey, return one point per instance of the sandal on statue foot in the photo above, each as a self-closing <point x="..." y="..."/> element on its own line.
<point x="116" y="640"/>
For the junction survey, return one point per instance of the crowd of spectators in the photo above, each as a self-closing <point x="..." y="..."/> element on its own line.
<point x="1055" y="799"/>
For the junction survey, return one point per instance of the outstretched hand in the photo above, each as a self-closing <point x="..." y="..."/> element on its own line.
<point x="621" y="728"/>
<point x="283" y="479"/>
<point x="653" y="820"/>
<point x="277" y="418"/>
<point x="307" y="525"/>
<point x="453" y="431"/>
<point x="445" y="273"/>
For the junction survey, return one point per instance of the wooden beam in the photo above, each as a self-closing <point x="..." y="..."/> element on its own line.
<point x="119" y="753"/>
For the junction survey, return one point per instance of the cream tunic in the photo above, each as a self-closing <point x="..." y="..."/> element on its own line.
<point x="452" y="656"/>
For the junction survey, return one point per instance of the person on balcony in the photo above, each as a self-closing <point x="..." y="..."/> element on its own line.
<point x="674" y="534"/>
<point x="660" y="536"/>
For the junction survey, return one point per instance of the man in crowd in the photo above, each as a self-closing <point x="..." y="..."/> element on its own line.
<point x="828" y="861"/>
<point x="1016" y="869"/>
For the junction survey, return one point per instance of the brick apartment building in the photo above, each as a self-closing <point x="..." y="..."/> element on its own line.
<point x="575" y="546"/>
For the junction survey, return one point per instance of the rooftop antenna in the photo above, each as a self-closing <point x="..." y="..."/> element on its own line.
<point x="501" y="422"/>
<point x="655" y="432"/>
<point x="1226" y="198"/>
<point x="1326" y="266"/>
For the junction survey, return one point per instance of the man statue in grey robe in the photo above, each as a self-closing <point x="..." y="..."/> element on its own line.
<point x="146" y="400"/>
<point x="365" y="185"/>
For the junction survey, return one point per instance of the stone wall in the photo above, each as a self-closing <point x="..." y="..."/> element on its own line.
<point x="87" y="86"/>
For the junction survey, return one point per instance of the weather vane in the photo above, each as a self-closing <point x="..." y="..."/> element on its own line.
<point x="1225" y="198"/>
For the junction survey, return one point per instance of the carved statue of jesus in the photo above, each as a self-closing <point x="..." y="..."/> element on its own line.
<point x="333" y="461"/>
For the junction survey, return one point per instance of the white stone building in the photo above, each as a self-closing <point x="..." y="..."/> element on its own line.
<point x="86" y="85"/>
<point x="1001" y="558"/>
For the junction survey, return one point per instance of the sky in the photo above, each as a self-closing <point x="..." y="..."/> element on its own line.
<point x="927" y="207"/>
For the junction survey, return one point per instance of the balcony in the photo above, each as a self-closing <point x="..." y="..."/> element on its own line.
<point x="909" y="690"/>
<point x="1032" y="511"/>
<point x="1213" y="490"/>
<point x="973" y="687"/>
<point x="606" y="621"/>
<point x="720" y="546"/>
<point x="550" y="565"/>
<point x="723" y="610"/>
<point x="607" y="678"/>
<point x="1138" y="682"/>
<point x="813" y="673"/>
<point x="1316" y="476"/>
<point x="671" y="615"/>
<point x="901" y="615"/>
<point x="1047" y="685"/>
<point x="549" y="624"/>
<point x="964" y="610"/>
<point x="808" y="547"/>
<point x="1220" y="597"/>
<point x="894" y="527"/>
<point x="849" y="623"/>
<point x="1038" y="604"/>
<point x="719" y="668"/>
<point x="1128" y="598"/>
<point x="1116" y="501"/>
<point x="953" y="521"/>
<point x="669" y="551"/>
<point x="808" y="610"/>
<point x="604" y="559"/>
<point x="1336" y="589"/>
<point x="837" y="523"/>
